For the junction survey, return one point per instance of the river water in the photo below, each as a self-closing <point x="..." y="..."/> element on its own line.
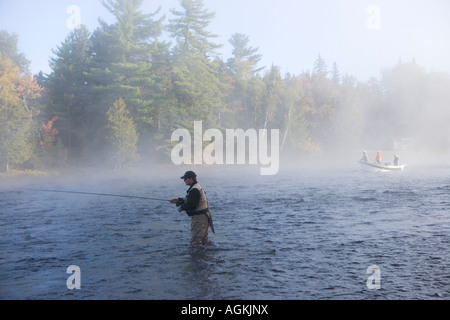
<point x="309" y="234"/>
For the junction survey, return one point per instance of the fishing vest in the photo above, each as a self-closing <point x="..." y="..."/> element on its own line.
<point x="202" y="203"/>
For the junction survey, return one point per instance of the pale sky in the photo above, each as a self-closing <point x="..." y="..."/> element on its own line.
<point x="362" y="36"/>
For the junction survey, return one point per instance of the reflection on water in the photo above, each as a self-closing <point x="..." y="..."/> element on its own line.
<point x="290" y="236"/>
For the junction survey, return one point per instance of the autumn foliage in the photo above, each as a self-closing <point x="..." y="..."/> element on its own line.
<point x="28" y="88"/>
<point x="49" y="132"/>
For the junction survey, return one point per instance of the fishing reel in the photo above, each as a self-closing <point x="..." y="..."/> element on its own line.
<point x="179" y="202"/>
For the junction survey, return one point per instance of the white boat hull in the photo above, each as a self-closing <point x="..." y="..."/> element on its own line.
<point x="378" y="167"/>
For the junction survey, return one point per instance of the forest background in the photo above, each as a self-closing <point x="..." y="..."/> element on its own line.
<point x="115" y="95"/>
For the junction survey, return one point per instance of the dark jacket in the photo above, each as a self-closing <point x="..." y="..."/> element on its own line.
<point x="192" y="199"/>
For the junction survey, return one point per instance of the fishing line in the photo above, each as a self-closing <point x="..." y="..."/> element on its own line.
<point x="99" y="194"/>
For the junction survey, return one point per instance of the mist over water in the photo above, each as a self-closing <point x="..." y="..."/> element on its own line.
<point x="308" y="233"/>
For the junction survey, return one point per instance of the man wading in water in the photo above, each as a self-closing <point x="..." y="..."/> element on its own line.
<point x="196" y="206"/>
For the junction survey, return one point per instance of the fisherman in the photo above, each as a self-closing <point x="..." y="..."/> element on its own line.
<point x="396" y="160"/>
<point x="378" y="157"/>
<point x="365" y="158"/>
<point x="196" y="206"/>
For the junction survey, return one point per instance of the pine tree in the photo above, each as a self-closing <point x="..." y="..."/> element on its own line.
<point x="320" y="68"/>
<point x="336" y="76"/>
<point x="242" y="68"/>
<point x="122" y="134"/>
<point x="123" y="52"/>
<point x="245" y="59"/>
<point x="195" y="80"/>
<point x="69" y="92"/>
<point x="189" y="28"/>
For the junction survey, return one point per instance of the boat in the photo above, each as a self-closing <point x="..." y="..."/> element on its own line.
<point x="379" y="167"/>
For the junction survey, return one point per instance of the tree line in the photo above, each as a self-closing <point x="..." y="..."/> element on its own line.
<point x="115" y="95"/>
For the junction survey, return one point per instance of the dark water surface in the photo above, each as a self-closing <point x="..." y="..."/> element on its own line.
<point x="291" y="236"/>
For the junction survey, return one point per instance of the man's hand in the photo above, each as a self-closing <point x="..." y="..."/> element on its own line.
<point x="178" y="202"/>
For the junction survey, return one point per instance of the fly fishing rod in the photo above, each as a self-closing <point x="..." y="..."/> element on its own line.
<point x="99" y="194"/>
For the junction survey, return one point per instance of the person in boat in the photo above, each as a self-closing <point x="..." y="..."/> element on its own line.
<point x="365" y="158"/>
<point x="396" y="160"/>
<point x="196" y="206"/>
<point x="378" y="157"/>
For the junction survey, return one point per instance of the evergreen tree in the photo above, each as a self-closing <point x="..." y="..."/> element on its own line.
<point x="242" y="68"/>
<point x="195" y="79"/>
<point x="121" y="66"/>
<point x="69" y="92"/>
<point x="243" y="63"/>
<point x="320" y="68"/>
<point x="162" y="108"/>
<point x="122" y="134"/>
<point x="189" y="28"/>
<point x="336" y="76"/>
